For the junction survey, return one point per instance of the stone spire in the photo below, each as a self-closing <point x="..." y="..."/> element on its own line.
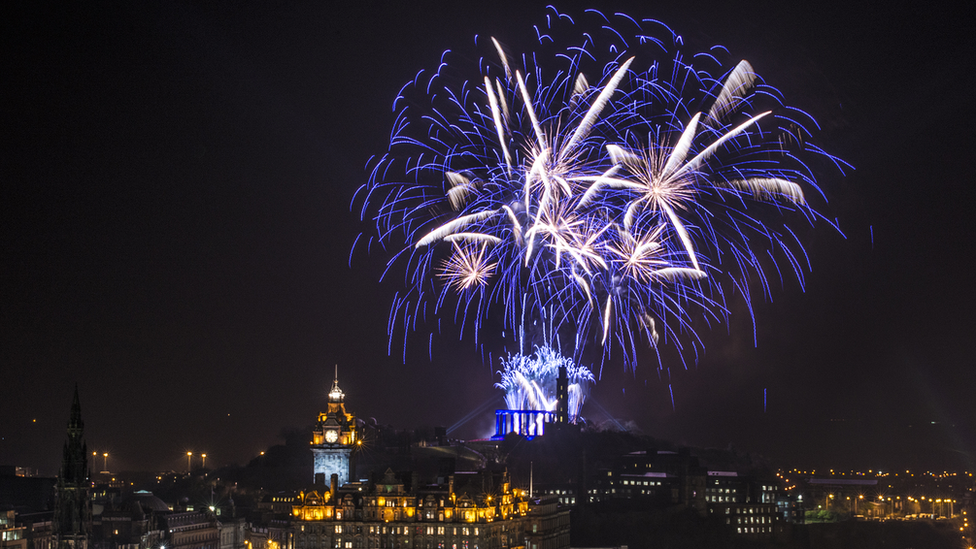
<point x="75" y="424"/>
<point x="72" y="511"/>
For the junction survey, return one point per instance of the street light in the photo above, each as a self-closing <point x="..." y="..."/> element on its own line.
<point x="188" y="456"/>
<point x="105" y="461"/>
<point x="204" y="456"/>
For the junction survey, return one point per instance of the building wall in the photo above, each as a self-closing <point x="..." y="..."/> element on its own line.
<point x="546" y="526"/>
<point x="752" y="520"/>
<point x="193" y="530"/>
<point x="329" y="461"/>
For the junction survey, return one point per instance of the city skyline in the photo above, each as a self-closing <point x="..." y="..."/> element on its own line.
<point x="178" y="231"/>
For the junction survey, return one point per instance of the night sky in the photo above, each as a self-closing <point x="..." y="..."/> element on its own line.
<point x="176" y="228"/>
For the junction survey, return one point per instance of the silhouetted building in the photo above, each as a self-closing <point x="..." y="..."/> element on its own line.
<point x="278" y="503"/>
<point x="192" y="530"/>
<point x="134" y="522"/>
<point x="562" y="396"/>
<point x="72" y="510"/>
<point x="546" y="526"/>
<point x="26" y="494"/>
<point x="38" y="529"/>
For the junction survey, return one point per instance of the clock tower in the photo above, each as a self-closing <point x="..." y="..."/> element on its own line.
<point x="333" y="439"/>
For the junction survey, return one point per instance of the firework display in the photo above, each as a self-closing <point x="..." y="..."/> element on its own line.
<point x="605" y="184"/>
<point x="529" y="382"/>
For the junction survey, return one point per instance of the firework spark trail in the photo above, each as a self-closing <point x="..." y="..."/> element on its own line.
<point x="618" y="206"/>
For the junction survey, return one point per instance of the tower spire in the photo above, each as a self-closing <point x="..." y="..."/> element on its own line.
<point x="72" y="512"/>
<point x="336" y="394"/>
<point x="75" y="425"/>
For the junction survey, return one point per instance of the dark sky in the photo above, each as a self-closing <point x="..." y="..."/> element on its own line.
<point x="175" y="233"/>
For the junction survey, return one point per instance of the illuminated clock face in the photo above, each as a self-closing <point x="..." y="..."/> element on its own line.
<point x="331" y="436"/>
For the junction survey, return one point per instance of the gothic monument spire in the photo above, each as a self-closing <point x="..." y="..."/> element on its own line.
<point x="72" y="511"/>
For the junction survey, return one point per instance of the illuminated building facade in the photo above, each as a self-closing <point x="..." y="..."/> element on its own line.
<point x="472" y="511"/>
<point x="11" y="535"/>
<point x="446" y="509"/>
<point x="528" y="423"/>
<point x="532" y="423"/>
<point x="333" y="439"/>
